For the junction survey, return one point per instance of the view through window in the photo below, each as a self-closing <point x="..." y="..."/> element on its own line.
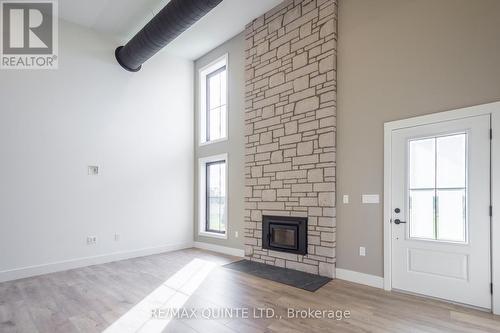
<point x="438" y="188"/>
<point x="216" y="197"/>
<point x="216" y="115"/>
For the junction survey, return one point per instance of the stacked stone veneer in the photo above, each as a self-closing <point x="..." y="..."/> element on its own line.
<point x="290" y="120"/>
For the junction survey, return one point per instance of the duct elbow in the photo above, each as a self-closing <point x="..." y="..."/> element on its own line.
<point x="117" y="56"/>
<point x="175" y="18"/>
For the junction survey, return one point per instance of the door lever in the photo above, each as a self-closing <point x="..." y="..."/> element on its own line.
<point x="398" y="221"/>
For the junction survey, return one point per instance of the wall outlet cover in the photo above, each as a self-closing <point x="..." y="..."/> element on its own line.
<point x="91" y="240"/>
<point x="93" y="170"/>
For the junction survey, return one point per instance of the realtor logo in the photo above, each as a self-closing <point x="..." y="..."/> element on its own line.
<point x="29" y="35"/>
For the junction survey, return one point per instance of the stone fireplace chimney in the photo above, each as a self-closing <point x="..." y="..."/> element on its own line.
<point x="290" y="129"/>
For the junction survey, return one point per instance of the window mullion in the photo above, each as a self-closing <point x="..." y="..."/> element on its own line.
<point x="436" y="214"/>
<point x="219" y="198"/>
<point x="207" y="117"/>
<point x="207" y="197"/>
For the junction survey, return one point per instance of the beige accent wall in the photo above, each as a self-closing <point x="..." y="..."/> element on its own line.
<point x="234" y="146"/>
<point x="397" y="59"/>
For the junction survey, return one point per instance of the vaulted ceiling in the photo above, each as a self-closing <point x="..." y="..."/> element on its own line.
<point x="121" y="19"/>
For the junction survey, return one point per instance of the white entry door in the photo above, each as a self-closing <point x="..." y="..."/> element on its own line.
<point x="441" y="210"/>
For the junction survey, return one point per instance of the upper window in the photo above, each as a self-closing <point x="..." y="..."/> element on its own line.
<point x="213" y="102"/>
<point x="438" y="188"/>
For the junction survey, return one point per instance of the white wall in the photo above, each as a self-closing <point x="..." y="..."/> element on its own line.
<point x="138" y="127"/>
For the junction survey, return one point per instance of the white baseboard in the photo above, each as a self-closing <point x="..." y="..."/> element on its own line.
<point x="24" y="272"/>
<point x="221" y="249"/>
<point x="361" y="278"/>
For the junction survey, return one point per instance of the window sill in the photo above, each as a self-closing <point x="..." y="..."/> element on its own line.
<point x="213" y="234"/>
<point x="206" y="143"/>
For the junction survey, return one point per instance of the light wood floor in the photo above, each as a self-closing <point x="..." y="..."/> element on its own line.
<point x="91" y="299"/>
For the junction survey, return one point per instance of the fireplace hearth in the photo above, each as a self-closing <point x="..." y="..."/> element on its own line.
<point x="284" y="233"/>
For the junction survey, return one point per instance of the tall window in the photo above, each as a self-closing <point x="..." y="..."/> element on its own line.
<point x="216" y="105"/>
<point x="216" y="197"/>
<point x="213" y="196"/>
<point x="213" y="102"/>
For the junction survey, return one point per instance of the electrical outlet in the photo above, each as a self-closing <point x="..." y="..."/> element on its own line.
<point x="117" y="237"/>
<point x="345" y="199"/>
<point x="362" y="251"/>
<point x="93" y="170"/>
<point x="91" y="240"/>
<point x="236" y="234"/>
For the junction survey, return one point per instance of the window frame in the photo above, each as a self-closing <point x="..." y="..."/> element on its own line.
<point x="203" y="210"/>
<point x="204" y="74"/>
<point x="408" y="189"/>
<point x="207" y="195"/>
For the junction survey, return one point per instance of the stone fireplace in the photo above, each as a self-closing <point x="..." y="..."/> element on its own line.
<point x="290" y="124"/>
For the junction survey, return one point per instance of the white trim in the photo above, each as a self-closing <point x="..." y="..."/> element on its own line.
<point x="29" y="271"/>
<point x="495" y="201"/>
<point x="492" y="109"/>
<point x="206" y="143"/>
<point x="202" y="161"/>
<point x="202" y="91"/>
<point x="361" y="278"/>
<point x="212" y="234"/>
<point x="387" y="208"/>
<point x="221" y="249"/>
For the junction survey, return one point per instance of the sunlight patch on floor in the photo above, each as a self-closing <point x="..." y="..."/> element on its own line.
<point x="173" y="293"/>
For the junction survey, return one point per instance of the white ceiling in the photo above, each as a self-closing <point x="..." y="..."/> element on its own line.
<point x="121" y="19"/>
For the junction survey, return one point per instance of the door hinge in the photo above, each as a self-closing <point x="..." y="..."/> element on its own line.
<point x="491" y="211"/>
<point x="491" y="133"/>
<point x="491" y="288"/>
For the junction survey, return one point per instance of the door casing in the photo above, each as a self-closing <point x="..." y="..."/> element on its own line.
<point x="492" y="109"/>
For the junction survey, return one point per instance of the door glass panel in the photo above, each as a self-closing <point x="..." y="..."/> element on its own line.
<point x="451" y="155"/>
<point x="422" y="213"/>
<point x="437" y="192"/>
<point x="451" y="215"/>
<point x="422" y="162"/>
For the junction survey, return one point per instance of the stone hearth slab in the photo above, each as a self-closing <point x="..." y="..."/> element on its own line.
<point x="297" y="279"/>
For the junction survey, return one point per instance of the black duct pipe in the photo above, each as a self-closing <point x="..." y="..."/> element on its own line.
<point x="170" y="22"/>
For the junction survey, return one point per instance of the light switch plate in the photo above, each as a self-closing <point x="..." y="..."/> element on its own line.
<point x="370" y="198"/>
<point x="345" y="199"/>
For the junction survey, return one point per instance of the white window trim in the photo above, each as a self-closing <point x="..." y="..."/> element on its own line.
<point x="202" y="93"/>
<point x="202" y="182"/>
<point x="492" y="109"/>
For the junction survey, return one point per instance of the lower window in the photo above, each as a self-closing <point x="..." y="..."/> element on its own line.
<point x="213" y="196"/>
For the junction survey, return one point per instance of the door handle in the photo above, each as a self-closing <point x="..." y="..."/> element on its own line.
<point x="398" y="221"/>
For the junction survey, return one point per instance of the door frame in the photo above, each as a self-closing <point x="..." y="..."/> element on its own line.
<point x="492" y="109"/>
